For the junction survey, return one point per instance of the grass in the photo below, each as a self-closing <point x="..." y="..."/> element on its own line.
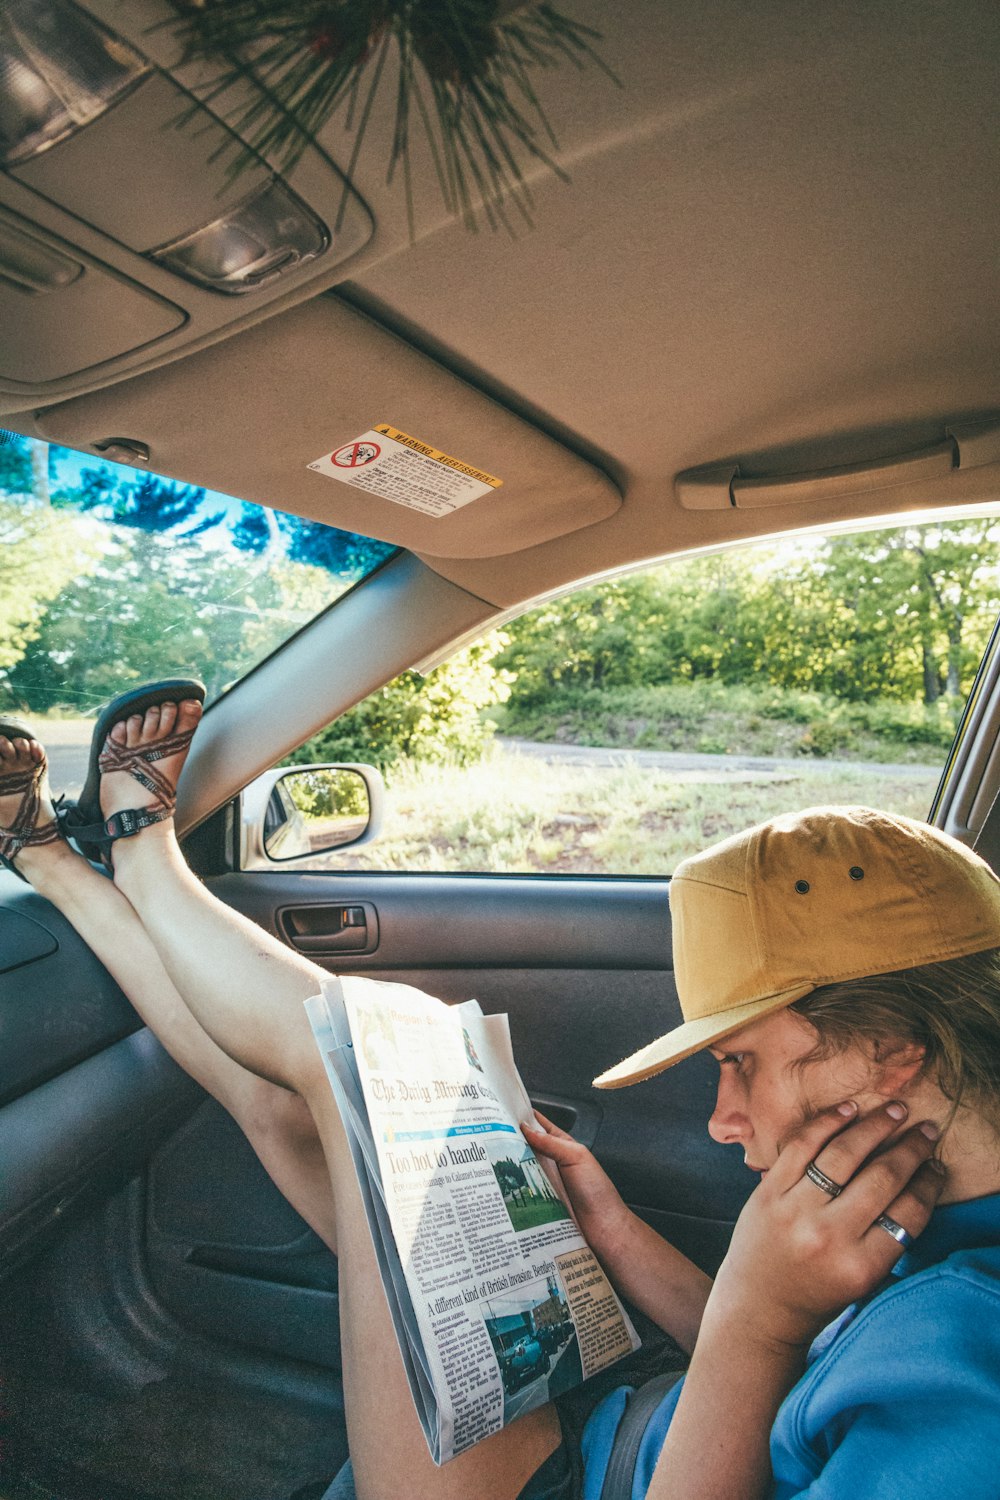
<point x="720" y="719"/>
<point x="514" y="813"/>
<point x="530" y="1215"/>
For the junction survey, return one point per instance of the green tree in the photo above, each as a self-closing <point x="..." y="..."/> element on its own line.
<point x="436" y="718"/>
<point x="918" y="604"/>
<point x="16" y="468"/>
<point x="39" y="551"/>
<point x="902" y="614"/>
<point x="511" y="1178"/>
<point x="157" y="606"/>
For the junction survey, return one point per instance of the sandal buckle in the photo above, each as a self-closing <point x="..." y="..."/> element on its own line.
<point x="122" y="825"/>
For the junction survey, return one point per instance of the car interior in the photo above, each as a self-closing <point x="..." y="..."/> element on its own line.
<point x="759" y="297"/>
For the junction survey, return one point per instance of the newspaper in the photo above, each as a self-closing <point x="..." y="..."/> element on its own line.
<point x="497" y="1301"/>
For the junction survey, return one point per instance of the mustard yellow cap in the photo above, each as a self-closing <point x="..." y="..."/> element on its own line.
<point x="809" y="899"/>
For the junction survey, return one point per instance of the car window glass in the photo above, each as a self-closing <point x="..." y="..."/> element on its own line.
<point x="113" y="576"/>
<point x="619" y="728"/>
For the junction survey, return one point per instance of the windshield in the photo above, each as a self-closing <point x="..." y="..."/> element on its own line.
<point x="111" y="576"/>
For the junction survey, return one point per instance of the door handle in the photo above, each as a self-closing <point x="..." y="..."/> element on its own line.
<point x="331" y="927"/>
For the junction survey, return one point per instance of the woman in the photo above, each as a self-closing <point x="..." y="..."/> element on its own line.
<point x="859" y="1132"/>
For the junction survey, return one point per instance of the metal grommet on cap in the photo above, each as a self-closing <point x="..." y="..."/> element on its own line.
<point x="856" y="872"/>
<point x="802" y="886"/>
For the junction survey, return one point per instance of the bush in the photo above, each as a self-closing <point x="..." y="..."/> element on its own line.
<point x="709" y="715"/>
<point x="437" y="718"/>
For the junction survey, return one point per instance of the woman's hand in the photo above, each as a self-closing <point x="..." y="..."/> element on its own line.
<point x="647" y="1270"/>
<point x="601" y="1212"/>
<point x="799" y="1255"/>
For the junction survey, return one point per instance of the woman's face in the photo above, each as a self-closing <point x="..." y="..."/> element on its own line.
<point x="766" y="1091"/>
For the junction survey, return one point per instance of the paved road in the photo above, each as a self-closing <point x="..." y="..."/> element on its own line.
<point x="68" y="743"/>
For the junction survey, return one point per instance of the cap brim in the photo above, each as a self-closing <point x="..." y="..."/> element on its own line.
<point x="692" y="1036"/>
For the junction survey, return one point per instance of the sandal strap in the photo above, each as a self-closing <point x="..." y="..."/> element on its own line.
<point x="120" y="825"/>
<point x="136" y="761"/>
<point x="23" y="831"/>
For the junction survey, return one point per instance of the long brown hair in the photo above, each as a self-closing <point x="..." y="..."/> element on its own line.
<point x="950" y="1009"/>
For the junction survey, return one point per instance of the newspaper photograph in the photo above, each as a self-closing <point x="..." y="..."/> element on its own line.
<point x="497" y="1301"/>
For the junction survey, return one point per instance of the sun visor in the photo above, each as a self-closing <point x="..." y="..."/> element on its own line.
<point x="323" y="413"/>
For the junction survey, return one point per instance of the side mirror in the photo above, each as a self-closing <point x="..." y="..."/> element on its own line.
<point x="300" y="812"/>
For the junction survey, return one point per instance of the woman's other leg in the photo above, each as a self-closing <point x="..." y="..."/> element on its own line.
<point x="248" y="990"/>
<point x="276" y="1121"/>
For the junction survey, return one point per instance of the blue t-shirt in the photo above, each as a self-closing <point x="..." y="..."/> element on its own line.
<point x="902" y="1392"/>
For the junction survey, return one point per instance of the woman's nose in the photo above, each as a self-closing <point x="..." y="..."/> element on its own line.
<point x="728" y="1122"/>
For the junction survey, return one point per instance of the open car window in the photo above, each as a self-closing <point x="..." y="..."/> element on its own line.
<point x="112" y="576"/>
<point x="622" y="727"/>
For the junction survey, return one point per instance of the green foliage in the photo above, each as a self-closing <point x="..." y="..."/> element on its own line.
<point x="16" y="476"/>
<point x="157" y="606"/>
<point x="901" y="614"/>
<point x="112" y="577"/>
<point x="436" y="718"/>
<point x="717" y="718"/>
<point x="510" y="1177"/>
<point x="39" y="554"/>
<point x="328" y="794"/>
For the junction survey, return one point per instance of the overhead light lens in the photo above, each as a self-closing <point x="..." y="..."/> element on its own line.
<point x="268" y="234"/>
<point x="59" y="70"/>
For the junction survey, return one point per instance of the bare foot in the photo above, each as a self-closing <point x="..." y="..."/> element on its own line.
<point x="21" y="758"/>
<point x="120" y="789"/>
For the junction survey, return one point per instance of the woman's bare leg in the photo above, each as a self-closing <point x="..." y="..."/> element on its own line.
<point x="276" y="1122"/>
<point x="247" y="990"/>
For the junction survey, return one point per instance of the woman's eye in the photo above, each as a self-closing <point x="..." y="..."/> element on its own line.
<point x="733" y="1058"/>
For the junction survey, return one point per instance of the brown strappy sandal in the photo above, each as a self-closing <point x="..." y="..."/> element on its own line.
<point x="24" y="831"/>
<point x="83" y="821"/>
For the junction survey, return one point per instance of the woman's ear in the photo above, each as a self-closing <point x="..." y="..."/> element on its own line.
<point x="899" y="1064"/>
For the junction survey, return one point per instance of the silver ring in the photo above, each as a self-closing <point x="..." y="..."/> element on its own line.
<point x="829" y="1187"/>
<point x="900" y="1235"/>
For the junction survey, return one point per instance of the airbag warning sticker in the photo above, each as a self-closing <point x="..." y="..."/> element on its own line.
<point x="400" y="468"/>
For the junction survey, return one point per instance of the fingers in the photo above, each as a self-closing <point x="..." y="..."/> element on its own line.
<point x="804" y="1144"/>
<point x="884" y="1177"/>
<point x="860" y="1156"/>
<point x="550" y="1127"/>
<point x="911" y="1210"/>
<point x="841" y="1156"/>
<point x="552" y="1142"/>
<point x="878" y="1170"/>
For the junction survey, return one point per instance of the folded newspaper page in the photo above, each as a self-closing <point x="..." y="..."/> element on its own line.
<point x="497" y="1301"/>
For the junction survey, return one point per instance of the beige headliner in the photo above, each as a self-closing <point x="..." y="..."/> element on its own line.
<point x="779" y="245"/>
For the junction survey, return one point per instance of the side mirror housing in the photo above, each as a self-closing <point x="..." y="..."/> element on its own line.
<point x="295" y="813"/>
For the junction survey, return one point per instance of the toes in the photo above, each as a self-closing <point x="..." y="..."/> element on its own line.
<point x="188" y="714"/>
<point x="133" y="730"/>
<point x="166" y="717"/>
<point x="21" y="749"/>
<point x="157" y="722"/>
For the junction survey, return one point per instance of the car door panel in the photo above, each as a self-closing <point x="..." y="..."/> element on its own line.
<point x="228" y="1255"/>
<point x="58" y="1005"/>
